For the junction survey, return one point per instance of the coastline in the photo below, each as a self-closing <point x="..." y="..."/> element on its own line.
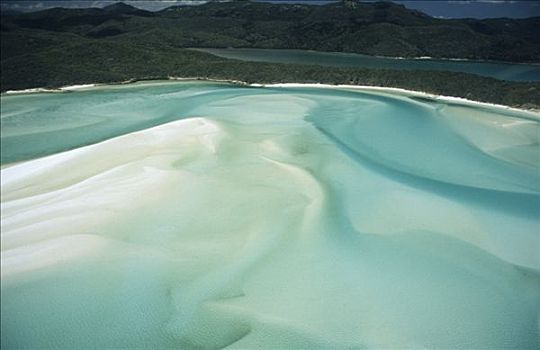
<point x="415" y="58"/>
<point x="60" y="89"/>
<point x="392" y="90"/>
<point x="405" y="92"/>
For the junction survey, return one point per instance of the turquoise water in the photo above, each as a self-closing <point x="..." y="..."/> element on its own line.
<point x="204" y="215"/>
<point x="498" y="70"/>
<point x="35" y="125"/>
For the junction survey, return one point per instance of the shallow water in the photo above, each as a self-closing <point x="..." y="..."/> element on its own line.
<point x="267" y="218"/>
<point x="497" y="70"/>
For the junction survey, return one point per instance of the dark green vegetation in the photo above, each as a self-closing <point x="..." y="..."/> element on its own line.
<point x="61" y="47"/>
<point x="382" y="28"/>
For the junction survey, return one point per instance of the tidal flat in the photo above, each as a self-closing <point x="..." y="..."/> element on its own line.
<point x="195" y="215"/>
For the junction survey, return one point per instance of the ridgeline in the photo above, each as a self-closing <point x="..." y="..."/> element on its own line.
<point x="59" y="47"/>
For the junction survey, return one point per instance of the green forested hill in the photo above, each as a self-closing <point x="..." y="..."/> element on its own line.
<point x="60" y="47"/>
<point x="380" y="28"/>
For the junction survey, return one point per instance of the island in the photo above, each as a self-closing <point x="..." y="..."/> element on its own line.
<point x="59" y="47"/>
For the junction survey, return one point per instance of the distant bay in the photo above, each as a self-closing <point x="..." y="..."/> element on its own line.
<point x="497" y="70"/>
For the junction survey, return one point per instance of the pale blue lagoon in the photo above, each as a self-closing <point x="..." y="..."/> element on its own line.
<point x="193" y="215"/>
<point x="497" y="70"/>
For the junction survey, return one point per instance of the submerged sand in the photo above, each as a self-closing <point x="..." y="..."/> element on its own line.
<point x="283" y="218"/>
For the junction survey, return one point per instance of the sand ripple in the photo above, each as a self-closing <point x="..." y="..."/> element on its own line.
<point x="280" y="218"/>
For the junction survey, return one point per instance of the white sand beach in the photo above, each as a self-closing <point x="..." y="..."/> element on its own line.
<point x="293" y="218"/>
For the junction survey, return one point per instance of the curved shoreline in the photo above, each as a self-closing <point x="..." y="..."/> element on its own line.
<point x="407" y="93"/>
<point x="534" y="112"/>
